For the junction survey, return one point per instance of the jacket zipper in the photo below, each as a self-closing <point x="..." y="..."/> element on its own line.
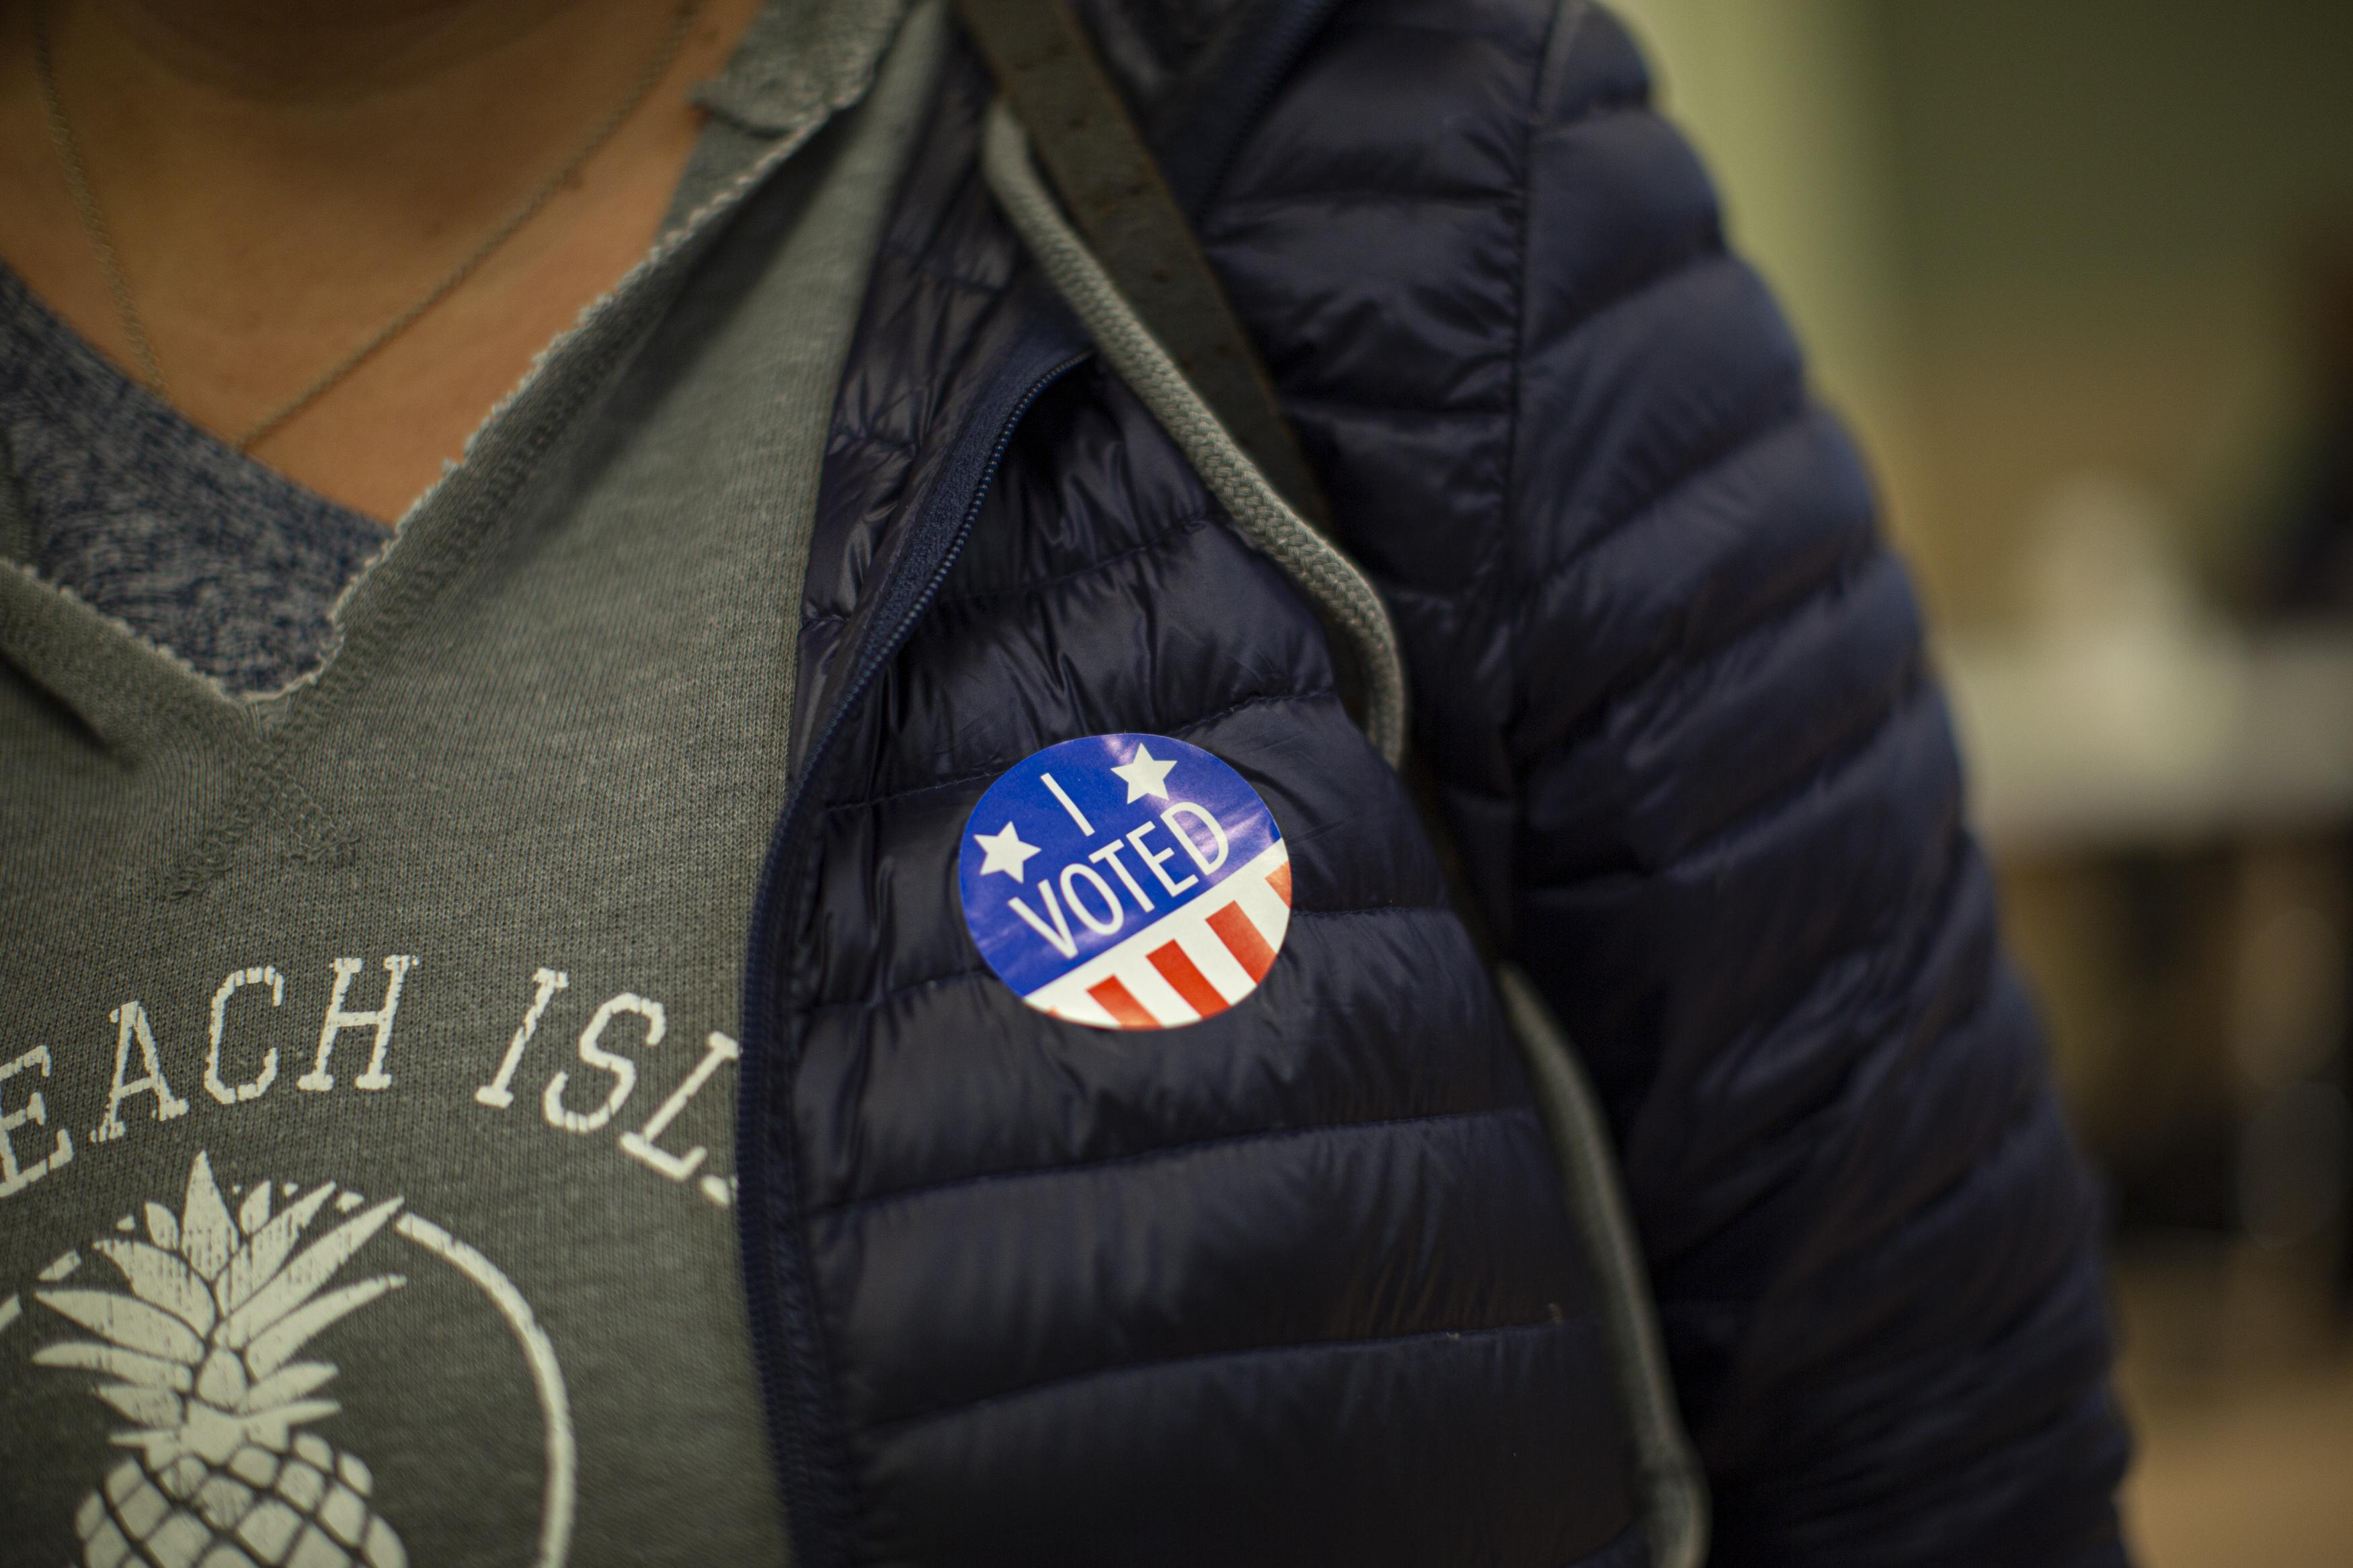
<point x="787" y="1348"/>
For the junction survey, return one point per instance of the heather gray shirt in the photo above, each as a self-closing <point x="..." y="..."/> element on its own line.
<point x="367" y="1049"/>
<point x="151" y="521"/>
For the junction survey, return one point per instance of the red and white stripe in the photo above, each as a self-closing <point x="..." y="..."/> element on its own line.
<point x="1185" y="966"/>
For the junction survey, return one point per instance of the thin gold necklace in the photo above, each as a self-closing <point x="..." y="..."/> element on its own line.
<point x="93" y="222"/>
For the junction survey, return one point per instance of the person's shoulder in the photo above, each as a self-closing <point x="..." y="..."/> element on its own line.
<point x="1471" y="97"/>
<point x="1514" y="66"/>
<point x="1172" y="55"/>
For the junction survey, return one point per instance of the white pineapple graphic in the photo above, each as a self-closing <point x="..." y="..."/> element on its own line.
<point x="200" y="1354"/>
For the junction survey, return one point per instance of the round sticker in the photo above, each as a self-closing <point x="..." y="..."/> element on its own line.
<point x="1125" y="881"/>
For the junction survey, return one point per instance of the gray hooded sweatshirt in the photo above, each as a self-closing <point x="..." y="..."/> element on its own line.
<point x="367" y="1047"/>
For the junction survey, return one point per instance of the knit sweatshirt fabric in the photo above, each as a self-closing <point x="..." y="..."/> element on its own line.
<point x="367" y="1047"/>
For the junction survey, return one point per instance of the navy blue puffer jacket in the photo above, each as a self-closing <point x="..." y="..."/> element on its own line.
<point x="1297" y="1284"/>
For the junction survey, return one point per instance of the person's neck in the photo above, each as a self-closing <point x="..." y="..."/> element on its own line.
<point x="312" y="52"/>
<point x="282" y="177"/>
<point x="399" y="112"/>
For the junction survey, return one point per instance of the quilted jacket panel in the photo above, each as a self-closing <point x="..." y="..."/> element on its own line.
<point x="1297" y="1284"/>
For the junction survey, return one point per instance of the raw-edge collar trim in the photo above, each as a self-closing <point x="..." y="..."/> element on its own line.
<point x="802" y="61"/>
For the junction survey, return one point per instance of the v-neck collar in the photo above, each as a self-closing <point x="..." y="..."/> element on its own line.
<point x="799" y="65"/>
<point x="142" y="703"/>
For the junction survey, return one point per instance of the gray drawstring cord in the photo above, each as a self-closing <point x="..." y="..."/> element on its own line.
<point x="1346" y="601"/>
<point x="1673" y="1485"/>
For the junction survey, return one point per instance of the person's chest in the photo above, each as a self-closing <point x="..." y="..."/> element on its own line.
<point x="386" y="1090"/>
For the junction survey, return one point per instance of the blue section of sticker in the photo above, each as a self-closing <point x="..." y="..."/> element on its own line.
<point x="1125" y="881"/>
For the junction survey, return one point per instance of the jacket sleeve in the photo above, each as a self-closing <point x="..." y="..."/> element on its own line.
<point x="1672" y="683"/>
<point x="1738" y="868"/>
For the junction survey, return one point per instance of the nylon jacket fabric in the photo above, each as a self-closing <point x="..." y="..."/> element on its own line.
<point x="1296" y="1283"/>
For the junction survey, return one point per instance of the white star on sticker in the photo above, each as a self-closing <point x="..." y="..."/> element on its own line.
<point x="1146" y="774"/>
<point x="1005" y="852"/>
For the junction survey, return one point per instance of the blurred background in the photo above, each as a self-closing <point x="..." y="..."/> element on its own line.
<point x="2082" y="277"/>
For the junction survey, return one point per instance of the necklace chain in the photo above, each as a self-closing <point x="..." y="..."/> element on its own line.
<point x="118" y="286"/>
